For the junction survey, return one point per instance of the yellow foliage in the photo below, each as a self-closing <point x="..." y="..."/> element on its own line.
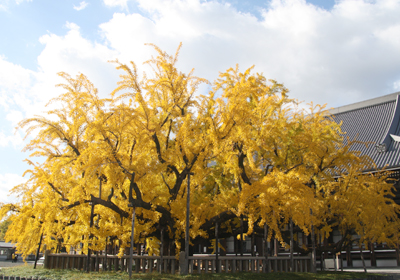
<point x="251" y="152"/>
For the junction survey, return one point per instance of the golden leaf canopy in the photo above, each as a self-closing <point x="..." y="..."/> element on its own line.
<point x="254" y="154"/>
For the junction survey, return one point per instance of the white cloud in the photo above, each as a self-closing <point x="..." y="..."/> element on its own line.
<point x="73" y="54"/>
<point x="82" y="5"/>
<point x="24" y="93"/>
<point x="344" y="55"/>
<point x="21" y="1"/>
<point x="14" y="76"/>
<point x="116" y="3"/>
<point x="72" y="26"/>
<point x="347" y="54"/>
<point x="7" y="182"/>
<point x="15" y="117"/>
<point x="4" y="4"/>
<point x="396" y="85"/>
<point x="15" y="140"/>
<point x="15" y="82"/>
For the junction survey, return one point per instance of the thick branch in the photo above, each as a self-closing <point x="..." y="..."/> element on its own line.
<point x="165" y="182"/>
<point x="111" y="194"/>
<point x="220" y="218"/>
<point x="57" y="191"/>
<point x="109" y="205"/>
<point x="293" y="167"/>
<point x="230" y="129"/>
<point x="148" y="206"/>
<point x="243" y="174"/>
<point x="135" y="187"/>
<point x="169" y="132"/>
<point x="160" y="158"/>
<point x="158" y="148"/>
<point x="76" y="203"/>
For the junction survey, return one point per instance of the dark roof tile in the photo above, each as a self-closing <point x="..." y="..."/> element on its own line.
<point x="373" y="121"/>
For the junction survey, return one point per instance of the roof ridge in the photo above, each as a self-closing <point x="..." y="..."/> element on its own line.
<point x="366" y="103"/>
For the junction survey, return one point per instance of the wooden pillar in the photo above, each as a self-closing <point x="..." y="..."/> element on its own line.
<point x="216" y="248"/>
<point x="265" y="248"/>
<point x="105" y="256"/>
<point x="349" y="259"/>
<point x="161" y="251"/>
<point x="132" y="241"/>
<point x="314" y="250"/>
<point x="90" y="237"/>
<point x="398" y="255"/>
<point x="275" y="247"/>
<point x="235" y="245"/>
<point x="252" y="245"/>
<point x="362" y="257"/>
<point x="38" y="250"/>
<point x="241" y="236"/>
<point x="291" y="246"/>
<point x="372" y="253"/>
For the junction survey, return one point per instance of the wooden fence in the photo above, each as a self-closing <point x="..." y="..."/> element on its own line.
<point x="208" y="264"/>
<point x="110" y="262"/>
<point x="169" y="264"/>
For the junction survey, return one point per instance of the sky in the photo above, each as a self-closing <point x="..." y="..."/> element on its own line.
<point x="333" y="52"/>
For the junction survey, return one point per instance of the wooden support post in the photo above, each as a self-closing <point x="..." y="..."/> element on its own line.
<point x="132" y="240"/>
<point x="90" y="237"/>
<point x="105" y="256"/>
<point x="38" y="250"/>
<point x="161" y="251"/>
<point x="216" y="248"/>
<point x="46" y="259"/>
<point x="372" y="252"/>
<point x="186" y="260"/>
<point x="291" y="246"/>
<point x="349" y="259"/>
<point x="397" y="255"/>
<point x="252" y="245"/>
<point x="314" y="250"/>
<point x="241" y="235"/>
<point x="362" y="257"/>
<point x="265" y="249"/>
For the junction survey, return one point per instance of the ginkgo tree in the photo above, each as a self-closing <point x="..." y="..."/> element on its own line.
<point x="253" y="156"/>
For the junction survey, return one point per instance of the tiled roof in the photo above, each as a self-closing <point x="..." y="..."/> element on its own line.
<point x="373" y="121"/>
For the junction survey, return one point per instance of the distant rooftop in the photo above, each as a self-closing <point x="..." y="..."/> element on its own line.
<point x="376" y="122"/>
<point x="6" y="245"/>
<point x="366" y="103"/>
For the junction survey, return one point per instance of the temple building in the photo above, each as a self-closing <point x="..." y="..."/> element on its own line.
<point x="377" y="123"/>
